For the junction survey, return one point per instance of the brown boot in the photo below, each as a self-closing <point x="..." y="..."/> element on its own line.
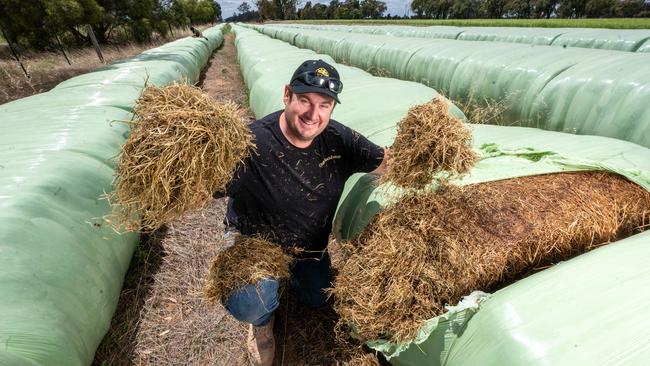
<point x="261" y="344"/>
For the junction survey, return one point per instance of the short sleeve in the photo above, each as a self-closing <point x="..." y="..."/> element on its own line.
<point x="362" y="155"/>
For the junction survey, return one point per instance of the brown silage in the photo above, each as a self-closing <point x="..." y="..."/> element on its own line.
<point x="248" y="261"/>
<point x="429" y="140"/>
<point x="183" y="147"/>
<point x="432" y="248"/>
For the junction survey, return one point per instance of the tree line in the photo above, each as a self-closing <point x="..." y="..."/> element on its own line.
<point x="288" y="10"/>
<point x="444" y="9"/>
<point x="40" y="23"/>
<point x="526" y="9"/>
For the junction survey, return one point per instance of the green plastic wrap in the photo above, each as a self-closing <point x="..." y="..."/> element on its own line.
<point x="630" y="40"/>
<point x="534" y="36"/>
<point x="610" y="39"/>
<point x="62" y="267"/>
<point x="577" y="90"/>
<point x="513" y="326"/>
<point x="644" y="47"/>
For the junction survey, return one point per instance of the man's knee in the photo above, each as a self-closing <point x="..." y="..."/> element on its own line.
<point x="254" y="304"/>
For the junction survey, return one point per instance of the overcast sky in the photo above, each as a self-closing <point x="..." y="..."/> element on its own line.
<point x="229" y="7"/>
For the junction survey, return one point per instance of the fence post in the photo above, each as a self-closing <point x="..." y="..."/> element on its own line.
<point x="62" y="50"/>
<point x="91" y="34"/>
<point x="13" y="51"/>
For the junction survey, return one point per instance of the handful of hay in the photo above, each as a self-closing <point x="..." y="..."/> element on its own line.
<point x="183" y="147"/>
<point x="248" y="261"/>
<point x="429" y="140"/>
<point x="430" y="249"/>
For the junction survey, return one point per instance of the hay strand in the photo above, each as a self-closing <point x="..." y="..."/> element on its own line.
<point x="429" y="140"/>
<point x="248" y="261"/>
<point x="430" y="249"/>
<point x="183" y="147"/>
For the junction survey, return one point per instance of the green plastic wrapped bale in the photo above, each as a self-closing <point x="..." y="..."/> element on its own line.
<point x="629" y="40"/>
<point x="513" y="326"/>
<point x="610" y="39"/>
<point x="534" y="36"/>
<point x="62" y="266"/>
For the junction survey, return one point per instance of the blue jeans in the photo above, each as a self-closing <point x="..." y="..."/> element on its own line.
<point x="256" y="303"/>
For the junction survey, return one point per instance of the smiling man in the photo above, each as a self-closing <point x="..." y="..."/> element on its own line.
<point x="288" y="191"/>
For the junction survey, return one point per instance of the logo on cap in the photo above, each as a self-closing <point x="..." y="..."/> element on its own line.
<point x="322" y="72"/>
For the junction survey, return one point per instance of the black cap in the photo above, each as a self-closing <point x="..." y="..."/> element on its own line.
<point x="319" y="67"/>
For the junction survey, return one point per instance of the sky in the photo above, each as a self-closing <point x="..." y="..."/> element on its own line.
<point x="229" y="7"/>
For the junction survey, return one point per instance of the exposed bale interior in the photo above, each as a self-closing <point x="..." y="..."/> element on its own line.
<point x="431" y="248"/>
<point x="183" y="147"/>
<point x="248" y="261"/>
<point x="429" y="140"/>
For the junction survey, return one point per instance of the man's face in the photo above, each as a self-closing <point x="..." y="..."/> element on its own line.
<point x="306" y="115"/>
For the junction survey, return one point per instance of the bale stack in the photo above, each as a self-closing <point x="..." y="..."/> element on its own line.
<point x="248" y="261"/>
<point x="431" y="248"/>
<point x="183" y="147"/>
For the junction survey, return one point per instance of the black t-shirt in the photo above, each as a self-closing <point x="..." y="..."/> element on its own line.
<point x="290" y="194"/>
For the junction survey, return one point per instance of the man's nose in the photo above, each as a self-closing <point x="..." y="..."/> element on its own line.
<point x="311" y="112"/>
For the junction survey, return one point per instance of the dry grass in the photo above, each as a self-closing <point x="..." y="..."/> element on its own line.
<point x="429" y="140"/>
<point x="484" y="110"/>
<point x="430" y="249"/>
<point x="248" y="261"/>
<point x="183" y="147"/>
<point x="306" y="336"/>
<point x="47" y="69"/>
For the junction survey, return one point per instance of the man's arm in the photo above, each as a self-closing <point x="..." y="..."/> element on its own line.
<point x="383" y="167"/>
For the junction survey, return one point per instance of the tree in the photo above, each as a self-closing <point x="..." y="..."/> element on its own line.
<point x="332" y="9"/>
<point x="518" y="8"/>
<point x="571" y="8"/>
<point x="544" y="8"/>
<point x="243" y="8"/>
<point x="629" y="8"/>
<point x="319" y="11"/>
<point x="466" y="9"/>
<point x="306" y="12"/>
<point x="216" y="11"/>
<point x="494" y="8"/>
<point x="599" y="8"/>
<point x="372" y="9"/>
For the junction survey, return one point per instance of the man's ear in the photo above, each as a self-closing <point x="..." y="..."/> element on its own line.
<point x="285" y="97"/>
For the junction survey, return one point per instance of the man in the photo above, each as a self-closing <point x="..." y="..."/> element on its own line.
<point x="288" y="191"/>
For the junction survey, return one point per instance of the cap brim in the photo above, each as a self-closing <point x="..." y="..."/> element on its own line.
<point x="302" y="89"/>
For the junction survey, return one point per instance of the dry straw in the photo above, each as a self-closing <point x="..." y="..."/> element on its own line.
<point x="429" y="140"/>
<point x="183" y="147"/>
<point x="430" y="249"/>
<point x="248" y="261"/>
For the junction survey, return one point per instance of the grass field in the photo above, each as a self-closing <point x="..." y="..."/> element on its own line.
<point x="612" y="23"/>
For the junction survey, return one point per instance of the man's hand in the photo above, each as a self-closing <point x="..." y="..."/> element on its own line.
<point x="383" y="167"/>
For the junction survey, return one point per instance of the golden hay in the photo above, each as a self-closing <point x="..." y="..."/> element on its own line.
<point x="248" y="261"/>
<point x="432" y="248"/>
<point x="429" y="140"/>
<point x="183" y="147"/>
<point x="351" y="352"/>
